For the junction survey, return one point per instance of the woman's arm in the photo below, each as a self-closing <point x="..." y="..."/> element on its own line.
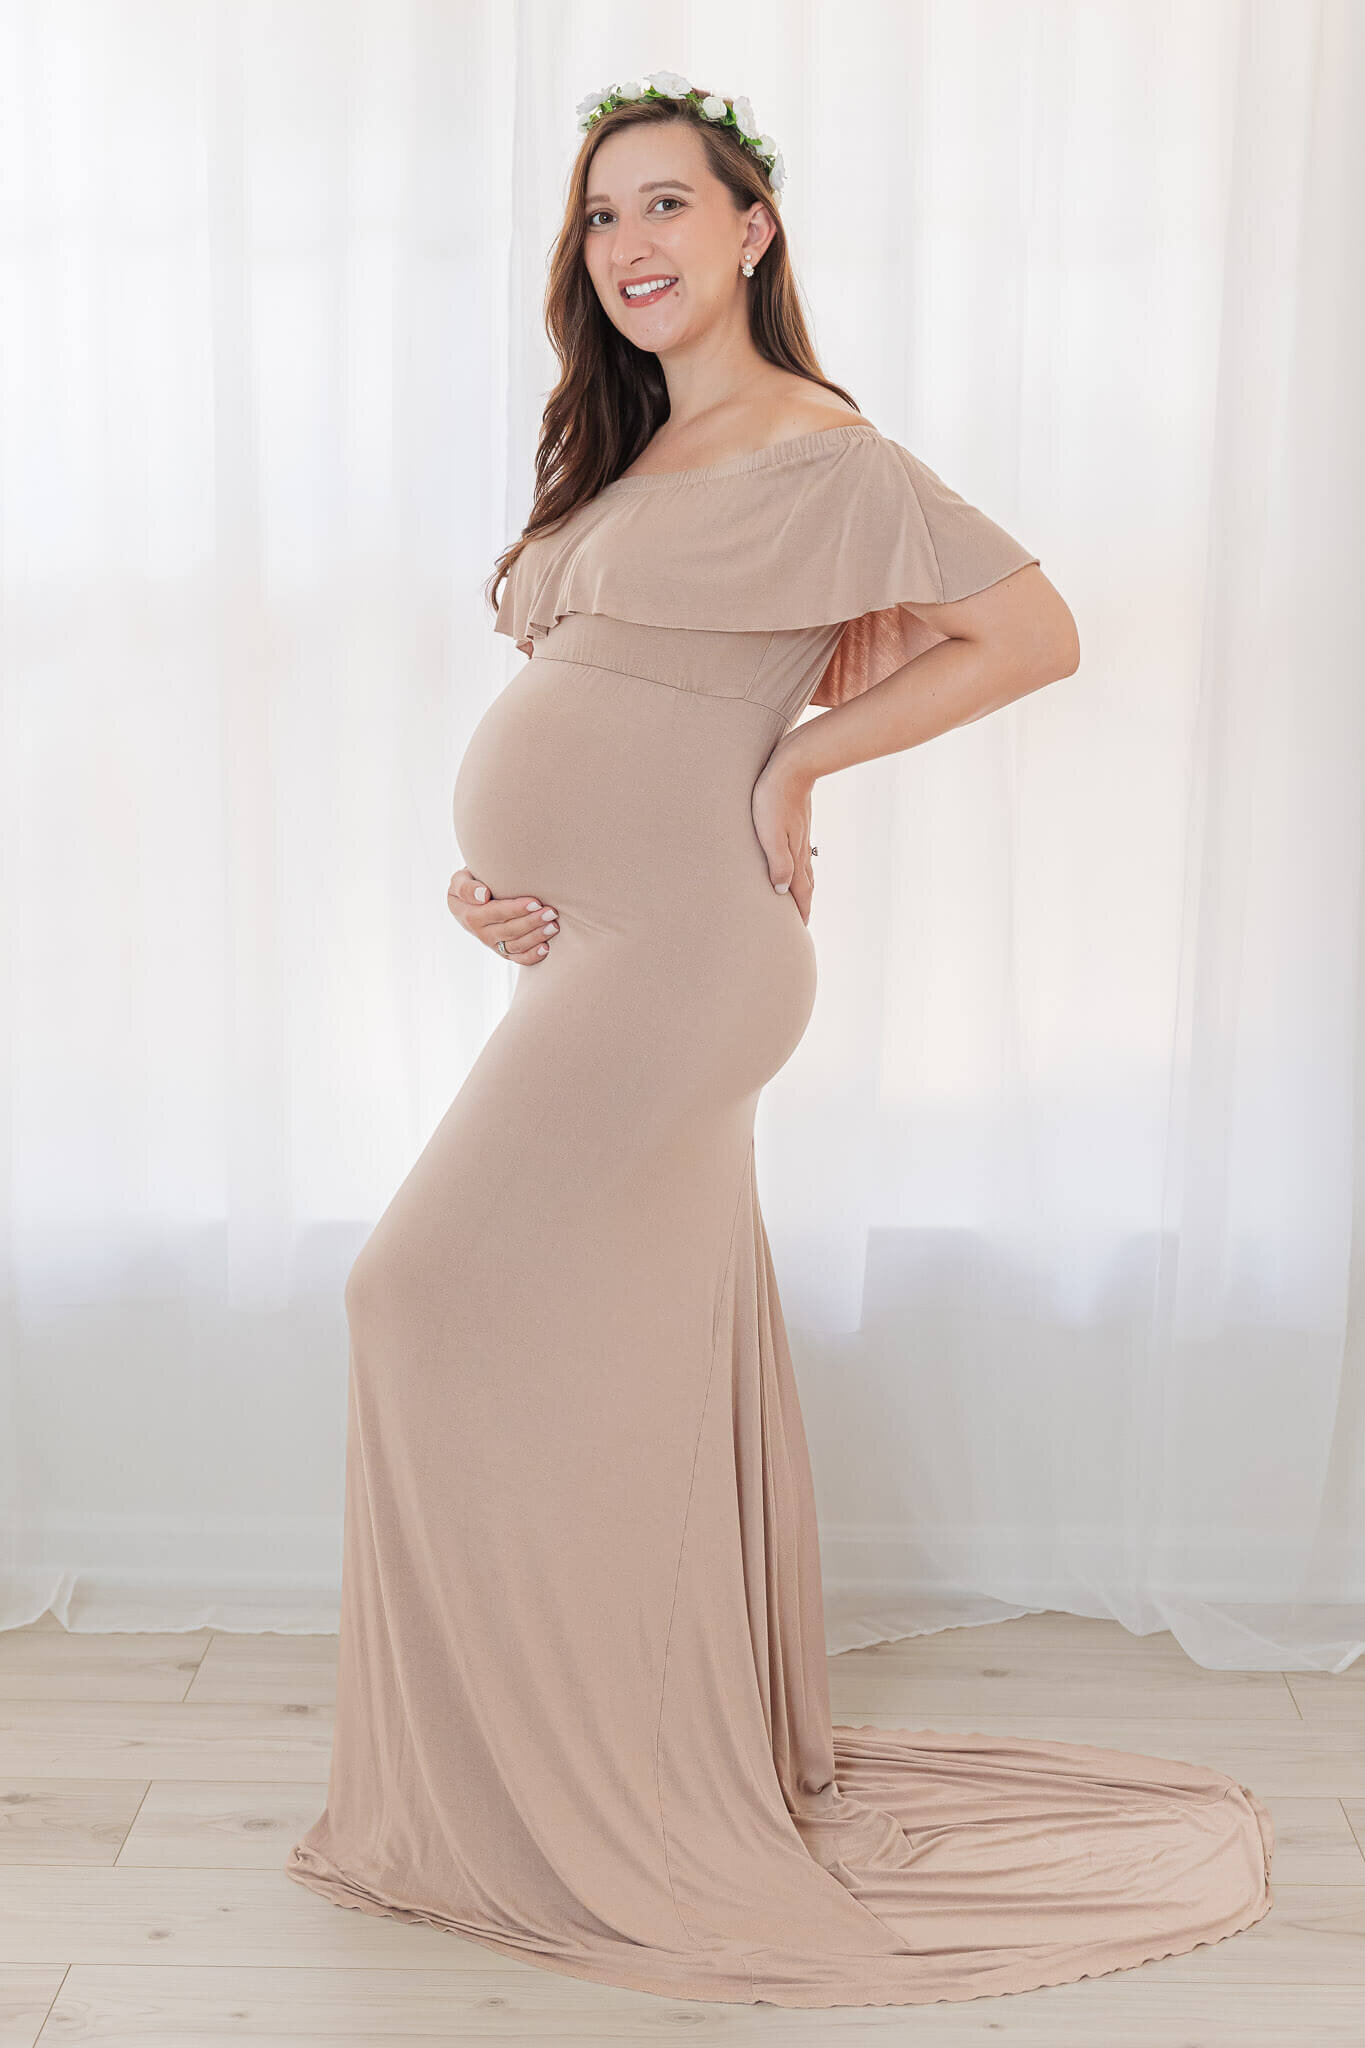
<point x="1003" y="643"/>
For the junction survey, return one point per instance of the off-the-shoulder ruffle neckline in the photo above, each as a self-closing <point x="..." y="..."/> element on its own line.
<point x="793" y="449"/>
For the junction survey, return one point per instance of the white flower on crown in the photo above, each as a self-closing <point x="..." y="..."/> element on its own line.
<point x="672" y="85"/>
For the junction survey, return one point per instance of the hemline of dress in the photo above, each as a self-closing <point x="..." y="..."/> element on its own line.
<point x="318" y="1874"/>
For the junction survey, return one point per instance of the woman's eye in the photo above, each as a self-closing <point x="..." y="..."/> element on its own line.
<point x="604" y="212"/>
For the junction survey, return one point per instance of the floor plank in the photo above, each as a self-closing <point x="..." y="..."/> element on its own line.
<point x="66" y="1820"/>
<point x="54" y="1664"/>
<point x="267" y="1668"/>
<point x="251" y="1917"/>
<point x="1330" y="1696"/>
<point x="26" y="1995"/>
<point x="1354" y="1810"/>
<point x="199" y="1824"/>
<point x="123" y="1739"/>
<point x="1314" y="1843"/>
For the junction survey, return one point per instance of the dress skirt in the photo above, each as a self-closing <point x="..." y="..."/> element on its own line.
<point x="583" y="1712"/>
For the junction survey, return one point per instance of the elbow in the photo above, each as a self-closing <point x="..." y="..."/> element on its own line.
<point x="1057" y="656"/>
<point x="1065" y="662"/>
<point x="1067" y="653"/>
<point x="1048" y="648"/>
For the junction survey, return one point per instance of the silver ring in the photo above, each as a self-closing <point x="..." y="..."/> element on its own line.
<point x="502" y="948"/>
<point x="814" y="850"/>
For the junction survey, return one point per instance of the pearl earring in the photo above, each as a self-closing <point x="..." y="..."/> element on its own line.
<point x="748" y="266"/>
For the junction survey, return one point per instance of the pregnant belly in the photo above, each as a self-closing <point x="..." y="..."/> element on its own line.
<point x="625" y="804"/>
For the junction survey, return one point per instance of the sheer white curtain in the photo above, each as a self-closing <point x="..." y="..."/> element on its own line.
<point x="1062" y="1181"/>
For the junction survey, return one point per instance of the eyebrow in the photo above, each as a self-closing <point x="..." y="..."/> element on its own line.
<point x="654" y="185"/>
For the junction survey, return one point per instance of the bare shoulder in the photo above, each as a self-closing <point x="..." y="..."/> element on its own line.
<point x="785" y="407"/>
<point x="797" y="406"/>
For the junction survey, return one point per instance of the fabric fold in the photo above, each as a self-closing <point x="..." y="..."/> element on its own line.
<point x="839" y="527"/>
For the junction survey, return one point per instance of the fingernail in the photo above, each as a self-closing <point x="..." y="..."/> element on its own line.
<point x="542" y="949"/>
<point x="533" y="904"/>
<point x="546" y="915"/>
<point x="552" y="929"/>
<point x="480" y="893"/>
<point x="780" y="887"/>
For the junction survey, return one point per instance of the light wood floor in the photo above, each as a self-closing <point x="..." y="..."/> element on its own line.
<point x="151" y="1785"/>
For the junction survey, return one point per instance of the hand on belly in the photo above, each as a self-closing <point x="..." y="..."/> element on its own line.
<point x="524" y="924"/>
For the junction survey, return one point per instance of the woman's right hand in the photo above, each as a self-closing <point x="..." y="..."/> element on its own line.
<point x="523" y="921"/>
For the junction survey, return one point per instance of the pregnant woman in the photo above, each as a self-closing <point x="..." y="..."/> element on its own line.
<point x="583" y="1715"/>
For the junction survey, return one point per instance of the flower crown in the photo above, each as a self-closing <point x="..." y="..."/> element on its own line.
<point x="736" y="114"/>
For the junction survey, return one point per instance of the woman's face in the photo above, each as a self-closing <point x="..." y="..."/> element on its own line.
<point x="655" y="211"/>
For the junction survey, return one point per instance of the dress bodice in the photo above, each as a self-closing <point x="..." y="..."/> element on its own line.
<point x="786" y="576"/>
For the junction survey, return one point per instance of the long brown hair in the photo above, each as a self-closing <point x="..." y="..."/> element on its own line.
<point x="611" y="397"/>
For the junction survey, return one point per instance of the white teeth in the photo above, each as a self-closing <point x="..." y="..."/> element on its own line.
<point x="656" y="284"/>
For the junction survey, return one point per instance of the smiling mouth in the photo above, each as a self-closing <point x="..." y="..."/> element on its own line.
<point x="647" y="290"/>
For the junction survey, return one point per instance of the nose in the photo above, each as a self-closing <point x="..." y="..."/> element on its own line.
<point x="630" y="251"/>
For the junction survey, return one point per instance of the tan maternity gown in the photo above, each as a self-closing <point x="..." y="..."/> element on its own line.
<point x="583" y="1715"/>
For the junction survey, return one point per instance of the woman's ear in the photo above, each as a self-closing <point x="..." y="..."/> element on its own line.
<point x="761" y="219"/>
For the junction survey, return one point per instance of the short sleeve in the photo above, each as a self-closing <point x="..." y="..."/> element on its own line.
<point x="931" y="546"/>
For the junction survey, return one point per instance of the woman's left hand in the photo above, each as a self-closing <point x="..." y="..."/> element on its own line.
<point x="781" y="813"/>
